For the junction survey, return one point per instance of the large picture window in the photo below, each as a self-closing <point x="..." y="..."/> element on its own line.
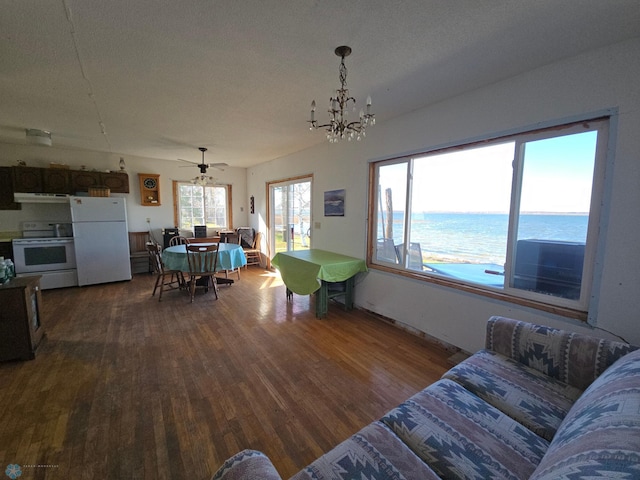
<point x="516" y="215"/>
<point x="202" y="205"/>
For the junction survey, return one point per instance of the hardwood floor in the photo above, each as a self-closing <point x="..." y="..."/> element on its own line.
<point x="124" y="386"/>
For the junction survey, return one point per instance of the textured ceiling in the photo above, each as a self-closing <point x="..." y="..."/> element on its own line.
<point x="158" y="78"/>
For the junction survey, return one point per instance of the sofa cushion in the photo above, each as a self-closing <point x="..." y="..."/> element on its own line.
<point x="600" y="437"/>
<point x="570" y="357"/>
<point x="372" y="453"/>
<point x="460" y="435"/>
<point x="530" y="397"/>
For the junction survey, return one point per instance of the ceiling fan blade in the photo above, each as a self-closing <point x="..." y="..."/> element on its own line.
<point x="219" y="166"/>
<point x="188" y="163"/>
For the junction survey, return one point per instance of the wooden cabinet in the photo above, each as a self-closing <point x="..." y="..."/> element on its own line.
<point x="20" y="322"/>
<point x="117" y="182"/>
<point x="6" y="190"/>
<point x="58" y="180"/>
<point x="28" y="180"/>
<point x="82" y="181"/>
<point x="149" y="189"/>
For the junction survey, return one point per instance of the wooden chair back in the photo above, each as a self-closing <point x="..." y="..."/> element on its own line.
<point x="253" y="254"/>
<point x="257" y="241"/>
<point x="155" y="257"/>
<point x="203" y="240"/>
<point x="202" y="259"/>
<point x="178" y="240"/>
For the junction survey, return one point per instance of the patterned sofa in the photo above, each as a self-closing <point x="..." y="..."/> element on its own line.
<point x="537" y="402"/>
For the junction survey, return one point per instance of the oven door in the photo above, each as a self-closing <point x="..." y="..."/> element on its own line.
<point x="43" y="254"/>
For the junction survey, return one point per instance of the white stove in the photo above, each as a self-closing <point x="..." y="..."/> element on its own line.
<point x="46" y="249"/>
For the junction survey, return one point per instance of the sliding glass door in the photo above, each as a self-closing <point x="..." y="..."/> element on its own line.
<point x="290" y="215"/>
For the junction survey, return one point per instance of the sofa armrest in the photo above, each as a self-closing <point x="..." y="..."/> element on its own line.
<point x="247" y="465"/>
<point x="570" y="357"/>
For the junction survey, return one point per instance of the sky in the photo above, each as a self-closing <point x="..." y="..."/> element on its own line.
<point x="557" y="178"/>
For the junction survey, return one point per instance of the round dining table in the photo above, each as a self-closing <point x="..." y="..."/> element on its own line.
<point x="230" y="257"/>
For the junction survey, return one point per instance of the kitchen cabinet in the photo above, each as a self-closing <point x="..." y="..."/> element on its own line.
<point x="21" y="327"/>
<point x="27" y="180"/>
<point x="82" y="180"/>
<point x="6" y="190"/>
<point x="117" y="182"/>
<point x="56" y="180"/>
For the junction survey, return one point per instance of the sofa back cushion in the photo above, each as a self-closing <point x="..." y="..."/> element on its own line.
<point x="570" y="357"/>
<point x="600" y="436"/>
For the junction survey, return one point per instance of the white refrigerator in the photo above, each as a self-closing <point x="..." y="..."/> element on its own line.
<point x="101" y="239"/>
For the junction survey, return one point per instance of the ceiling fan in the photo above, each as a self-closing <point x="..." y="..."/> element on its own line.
<point x="203" y="166"/>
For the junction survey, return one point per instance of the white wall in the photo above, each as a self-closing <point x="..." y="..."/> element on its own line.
<point x="160" y="216"/>
<point x="602" y="79"/>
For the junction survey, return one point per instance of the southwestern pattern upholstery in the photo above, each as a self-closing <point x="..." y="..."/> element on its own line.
<point x="537" y="402"/>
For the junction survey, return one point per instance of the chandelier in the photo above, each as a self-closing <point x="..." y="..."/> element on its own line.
<point x="339" y="125"/>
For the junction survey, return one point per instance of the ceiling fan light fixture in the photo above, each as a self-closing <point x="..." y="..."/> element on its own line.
<point x="38" y="137"/>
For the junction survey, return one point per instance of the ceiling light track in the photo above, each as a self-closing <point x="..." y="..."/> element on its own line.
<point x="83" y="73"/>
<point x="339" y="126"/>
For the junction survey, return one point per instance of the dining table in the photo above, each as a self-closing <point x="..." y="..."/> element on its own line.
<point x="230" y="257"/>
<point x="327" y="274"/>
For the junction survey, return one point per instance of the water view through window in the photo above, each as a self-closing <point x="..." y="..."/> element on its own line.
<point x="502" y="215"/>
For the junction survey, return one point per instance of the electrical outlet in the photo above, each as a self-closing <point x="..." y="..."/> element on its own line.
<point x="148" y="220"/>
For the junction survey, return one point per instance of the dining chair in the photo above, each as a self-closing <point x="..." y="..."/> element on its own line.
<point x="228" y="237"/>
<point x="253" y="254"/>
<point x="175" y="277"/>
<point x="203" y="240"/>
<point x="203" y="260"/>
<point x="178" y="240"/>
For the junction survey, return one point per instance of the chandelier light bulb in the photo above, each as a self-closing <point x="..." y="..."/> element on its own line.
<point x="339" y="126"/>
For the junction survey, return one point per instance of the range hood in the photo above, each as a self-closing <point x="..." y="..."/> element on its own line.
<point x="20" y="197"/>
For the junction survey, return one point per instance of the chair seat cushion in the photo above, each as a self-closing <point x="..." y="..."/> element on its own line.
<point x="535" y="400"/>
<point x="374" y="453"/>
<point x="460" y="435"/>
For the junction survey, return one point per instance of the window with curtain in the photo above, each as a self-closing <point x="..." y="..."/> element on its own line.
<point x="516" y="215"/>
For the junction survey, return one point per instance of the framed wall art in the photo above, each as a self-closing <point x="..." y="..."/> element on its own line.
<point x="334" y="203"/>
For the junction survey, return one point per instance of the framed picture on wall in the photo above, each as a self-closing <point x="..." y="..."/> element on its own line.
<point x="334" y="203"/>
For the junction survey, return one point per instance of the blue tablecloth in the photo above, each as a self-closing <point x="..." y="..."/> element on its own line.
<point x="230" y="256"/>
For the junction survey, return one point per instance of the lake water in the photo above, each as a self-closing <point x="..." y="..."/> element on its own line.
<point x="482" y="238"/>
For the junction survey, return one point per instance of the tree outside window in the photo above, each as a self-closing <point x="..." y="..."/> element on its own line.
<point x="202" y="205"/>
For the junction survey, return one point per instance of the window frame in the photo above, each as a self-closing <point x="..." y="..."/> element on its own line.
<point x="176" y="202"/>
<point x="556" y="305"/>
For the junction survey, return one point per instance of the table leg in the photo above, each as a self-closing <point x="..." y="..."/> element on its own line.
<point x="349" y="297"/>
<point x="322" y="300"/>
<point x="289" y="295"/>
